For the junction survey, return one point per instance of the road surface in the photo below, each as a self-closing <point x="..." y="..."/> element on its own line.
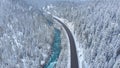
<point x="74" y="58"/>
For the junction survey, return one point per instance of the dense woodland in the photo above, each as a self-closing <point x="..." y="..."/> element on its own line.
<point x="97" y="25"/>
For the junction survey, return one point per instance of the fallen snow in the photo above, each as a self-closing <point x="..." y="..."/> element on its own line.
<point x="42" y="62"/>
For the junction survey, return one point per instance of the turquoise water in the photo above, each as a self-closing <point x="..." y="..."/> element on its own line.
<point x="55" y="50"/>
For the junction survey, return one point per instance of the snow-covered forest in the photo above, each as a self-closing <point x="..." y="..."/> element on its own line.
<point x="97" y="29"/>
<point x="25" y="36"/>
<point x="29" y="35"/>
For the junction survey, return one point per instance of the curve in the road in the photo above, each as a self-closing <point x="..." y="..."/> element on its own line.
<point x="74" y="58"/>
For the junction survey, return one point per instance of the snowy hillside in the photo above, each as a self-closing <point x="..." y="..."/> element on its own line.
<point x="97" y="29"/>
<point x="25" y="36"/>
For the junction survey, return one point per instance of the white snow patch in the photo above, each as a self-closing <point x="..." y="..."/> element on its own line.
<point x="50" y="6"/>
<point x="30" y="8"/>
<point x="42" y="62"/>
<point x="44" y="55"/>
<point x="48" y="13"/>
<point x="24" y="63"/>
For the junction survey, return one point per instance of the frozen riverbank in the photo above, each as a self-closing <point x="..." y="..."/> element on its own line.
<point x="55" y="50"/>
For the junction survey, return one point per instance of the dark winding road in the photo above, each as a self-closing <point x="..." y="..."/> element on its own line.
<point x="74" y="58"/>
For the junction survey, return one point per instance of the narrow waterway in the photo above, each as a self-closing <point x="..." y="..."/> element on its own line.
<point x="55" y="50"/>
